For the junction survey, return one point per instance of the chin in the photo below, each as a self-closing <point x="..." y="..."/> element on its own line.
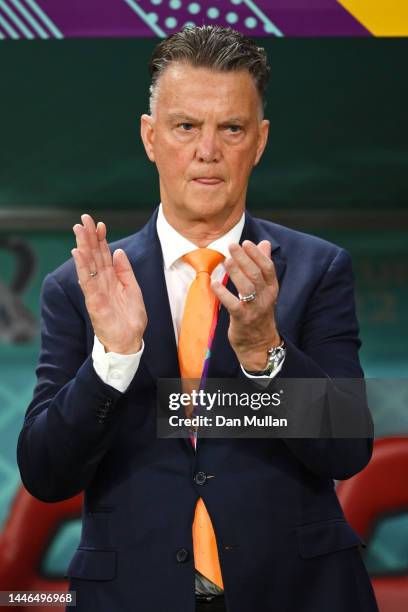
<point x="204" y="208"/>
<point x="209" y="203"/>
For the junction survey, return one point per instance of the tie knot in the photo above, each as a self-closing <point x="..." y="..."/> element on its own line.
<point x="204" y="260"/>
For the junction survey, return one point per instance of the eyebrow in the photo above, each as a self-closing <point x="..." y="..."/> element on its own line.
<point x="183" y="117"/>
<point x="189" y="119"/>
<point x="236" y="119"/>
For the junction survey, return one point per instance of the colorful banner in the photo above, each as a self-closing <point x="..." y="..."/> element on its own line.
<point x="31" y="19"/>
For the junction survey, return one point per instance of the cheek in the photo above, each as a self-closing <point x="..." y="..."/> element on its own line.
<point x="240" y="165"/>
<point x="172" y="158"/>
<point x="172" y="165"/>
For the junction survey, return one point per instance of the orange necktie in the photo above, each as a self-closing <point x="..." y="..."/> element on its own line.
<point x="192" y="347"/>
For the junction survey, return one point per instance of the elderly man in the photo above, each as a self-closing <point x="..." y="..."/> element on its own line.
<point x="180" y="525"/>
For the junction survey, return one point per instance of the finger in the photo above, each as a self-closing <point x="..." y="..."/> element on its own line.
<point x="265" y="247"/>
<point x="123" y="269"/>
<point x="83" y="246"/>
<point x="261" y="256"/>
<point x="92" y="237"/>
<point x="82" y="269"/>
<point x="103" y="245"/>
<point x="227" y="299"/>
<point x="247" y="266"/>
<point x="241" y="281"/>
<point x="90" y="229"/>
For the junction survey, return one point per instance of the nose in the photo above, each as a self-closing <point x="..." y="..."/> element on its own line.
<point x="208" y="148"/>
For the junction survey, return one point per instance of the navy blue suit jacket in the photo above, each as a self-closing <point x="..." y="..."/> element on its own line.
<point x="284" y="544"/>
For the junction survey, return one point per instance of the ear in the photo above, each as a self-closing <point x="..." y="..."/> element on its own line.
<point x="147" y="134"/>
<point x="262" y="139"/>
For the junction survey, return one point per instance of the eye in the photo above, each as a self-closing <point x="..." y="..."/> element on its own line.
<point x="234" y="129"/>
<point x="185" y="127"/>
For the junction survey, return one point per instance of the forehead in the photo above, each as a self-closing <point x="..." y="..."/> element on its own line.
<point x="186" y="88"/>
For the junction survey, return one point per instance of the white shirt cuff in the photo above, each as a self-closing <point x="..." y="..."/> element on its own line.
<point x="114" y="369"/>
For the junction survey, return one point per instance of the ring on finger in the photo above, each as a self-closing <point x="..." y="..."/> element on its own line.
<point x="92" y="274"/>
<point x="247" y="298"/>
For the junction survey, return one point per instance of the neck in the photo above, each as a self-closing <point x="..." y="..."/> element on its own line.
<point x="201" y="231"/>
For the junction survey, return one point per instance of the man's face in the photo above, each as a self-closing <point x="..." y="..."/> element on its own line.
<point x="205" y="136"/>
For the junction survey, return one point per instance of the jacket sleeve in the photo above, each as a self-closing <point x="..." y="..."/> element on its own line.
<point x="328" y="347"/>
<point x="73" y="416"/>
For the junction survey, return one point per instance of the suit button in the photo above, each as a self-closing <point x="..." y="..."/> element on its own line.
<point x="182" y="555"/>
<point x="200" y="478"/>
<point x="101" y="413"/>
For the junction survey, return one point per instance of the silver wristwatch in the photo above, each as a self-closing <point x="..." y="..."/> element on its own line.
<point x="276" y="355"/>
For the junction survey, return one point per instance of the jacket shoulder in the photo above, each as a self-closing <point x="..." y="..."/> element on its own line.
<point x="289" y="238"/>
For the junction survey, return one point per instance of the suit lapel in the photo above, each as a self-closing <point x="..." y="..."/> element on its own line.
<point x="160" y="352"/>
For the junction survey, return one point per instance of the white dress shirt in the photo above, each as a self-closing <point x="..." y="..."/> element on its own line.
<point x="118" y="370"/>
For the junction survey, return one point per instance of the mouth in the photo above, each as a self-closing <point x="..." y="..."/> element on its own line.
<point x="205" y="180"/>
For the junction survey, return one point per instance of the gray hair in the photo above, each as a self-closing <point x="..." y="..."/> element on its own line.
<point x="213" y="47"/>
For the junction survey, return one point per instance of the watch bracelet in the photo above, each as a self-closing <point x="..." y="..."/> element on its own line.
<point x="275" y="356"/>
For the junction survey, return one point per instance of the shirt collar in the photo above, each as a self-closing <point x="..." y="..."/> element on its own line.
<point x="174" y="245"/>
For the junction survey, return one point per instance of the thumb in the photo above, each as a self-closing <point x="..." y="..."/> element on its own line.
<point x="123" y="269"/>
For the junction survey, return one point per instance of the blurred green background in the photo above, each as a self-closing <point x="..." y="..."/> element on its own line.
<point x="70" y="122"/>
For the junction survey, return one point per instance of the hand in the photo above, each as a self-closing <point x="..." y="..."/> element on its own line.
<point x="252" y="330"/>
<point x="113" y="297"/>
